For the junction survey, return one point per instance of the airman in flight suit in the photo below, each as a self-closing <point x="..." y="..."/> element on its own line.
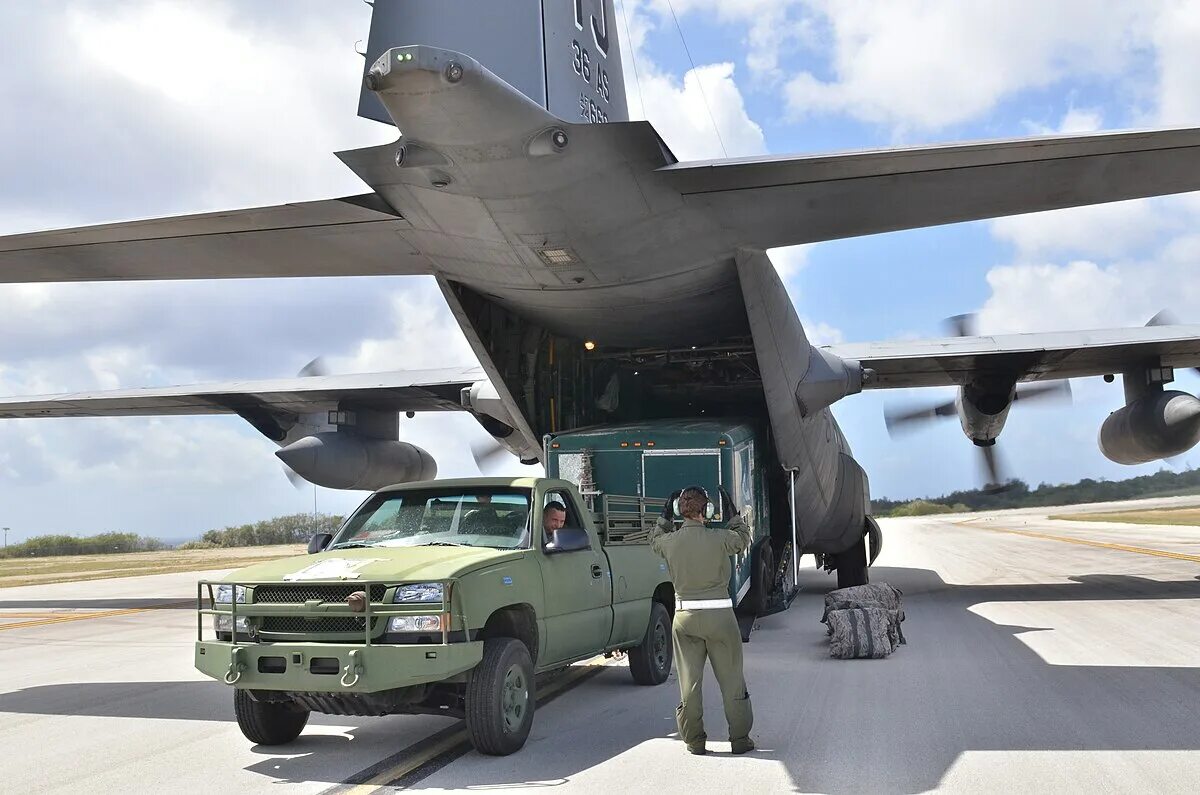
<point x="705" y="626"/>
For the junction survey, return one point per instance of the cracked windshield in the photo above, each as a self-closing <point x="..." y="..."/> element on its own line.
<point x="497" y="518"/>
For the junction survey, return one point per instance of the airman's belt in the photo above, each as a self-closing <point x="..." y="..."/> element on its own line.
<point x="702" y="604"/>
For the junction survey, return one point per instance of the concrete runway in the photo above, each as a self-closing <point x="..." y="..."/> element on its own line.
<point x="1043" y="656"/>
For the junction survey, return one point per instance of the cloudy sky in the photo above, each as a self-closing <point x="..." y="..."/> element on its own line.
<point x="125" y="109"/>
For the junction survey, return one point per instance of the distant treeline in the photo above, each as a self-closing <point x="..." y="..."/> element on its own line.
<point x="103" y="544"/>
<point x="1163" y="483"/>
<point x="292" y="529"/>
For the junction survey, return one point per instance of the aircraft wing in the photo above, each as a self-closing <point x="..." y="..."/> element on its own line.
<point x="414" y="390"/>
<point x="351" y="236"/>
<point x="772" y="201"/>
<point x="1024" y="357"/>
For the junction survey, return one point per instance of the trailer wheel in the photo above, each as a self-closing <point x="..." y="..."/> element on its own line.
<point x="267" y="722"/>
<point x="650" y="661"/>
<point x="852" y="564"/>
<point x="500" y="698"/>
<point x="762" y="578"/>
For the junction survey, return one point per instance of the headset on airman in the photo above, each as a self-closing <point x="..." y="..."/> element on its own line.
<point x="710" y="510"/>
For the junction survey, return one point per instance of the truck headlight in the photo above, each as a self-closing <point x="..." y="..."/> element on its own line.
<point x="415" y="624"/>
<point x="419" y="592"/>
<point x="221" y="624"/>
<point x="226" y="592"/>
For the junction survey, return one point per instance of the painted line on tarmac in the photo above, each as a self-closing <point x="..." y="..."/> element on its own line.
<point x="60" y="618"/>
<point x="1158" y="553"/>
<point x="425" y="757"/>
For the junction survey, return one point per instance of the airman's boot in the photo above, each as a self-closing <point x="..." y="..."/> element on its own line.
<point x="741" y="746"/>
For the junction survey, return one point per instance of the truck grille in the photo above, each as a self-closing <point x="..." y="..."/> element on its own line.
<point x="298" y="625"/>
<point x="299" y="594"/>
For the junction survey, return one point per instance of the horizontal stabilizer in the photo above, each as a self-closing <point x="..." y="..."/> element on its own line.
<point x="782" y="201"/>
<point x="352" y="236"/>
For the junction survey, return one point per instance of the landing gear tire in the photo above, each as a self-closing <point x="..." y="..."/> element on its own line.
<point x="762" y="578"/>
<point x="650" y="661"/>
<point x="852" y="565"/>
<point x="500" y="698"/>
<point x="267" y="722"/>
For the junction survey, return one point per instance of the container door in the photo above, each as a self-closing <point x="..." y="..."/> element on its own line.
<point x="666" y="471"/>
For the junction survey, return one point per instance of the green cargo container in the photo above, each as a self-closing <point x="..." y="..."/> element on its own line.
<point x="626" y="472"/>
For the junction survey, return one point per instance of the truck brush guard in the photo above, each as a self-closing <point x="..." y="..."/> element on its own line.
<point x="318" y="608"/>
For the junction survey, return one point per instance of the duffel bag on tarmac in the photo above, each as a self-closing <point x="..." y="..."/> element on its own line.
<point x="863" y="633"/>
<point x="872" y="595"/>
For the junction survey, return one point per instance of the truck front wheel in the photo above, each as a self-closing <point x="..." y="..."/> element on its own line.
<point x="268" y="722"/>
<point x="650" y="662"/>
<point x="500" y="698"/>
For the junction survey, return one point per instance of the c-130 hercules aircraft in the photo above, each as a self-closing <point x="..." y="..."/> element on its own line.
<point x="598" y="280"/>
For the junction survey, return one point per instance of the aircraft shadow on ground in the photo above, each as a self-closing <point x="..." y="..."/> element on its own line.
<point x="898" y="725"/>
<point x="966" y="684"/>
<point x="165" y="700"/>
<point x="97" y="604"/>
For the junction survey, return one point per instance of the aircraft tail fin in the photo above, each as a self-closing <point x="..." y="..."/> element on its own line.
<point x="563" y="54"/>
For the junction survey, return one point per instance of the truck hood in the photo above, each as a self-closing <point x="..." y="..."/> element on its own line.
<point x="376" y="563"/>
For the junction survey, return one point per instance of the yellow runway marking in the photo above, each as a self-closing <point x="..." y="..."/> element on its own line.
<point x="459" y="737"/>
<point x="45" y="619"/>
<point x="1158" y="553"/>
<point x="40" y="614"/>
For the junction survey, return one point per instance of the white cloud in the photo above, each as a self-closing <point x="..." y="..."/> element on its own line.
<point x="704" y="116"/>
<point x="923" y="65"/>
<point x="1176" y="37"/>
<point x="1118" y="229"/>
<point x="821" y="333"/>
<point x="1086" y="295"/>
<point x="701" y="116"/>
<point x="773" y="27"/>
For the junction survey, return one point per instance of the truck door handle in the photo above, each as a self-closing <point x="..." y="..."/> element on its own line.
<point x="596" y="570"/>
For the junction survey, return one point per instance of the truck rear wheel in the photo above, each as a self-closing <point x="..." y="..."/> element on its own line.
<point x="500" y="698"/>
<point x="268" y="722"/>
<point x="852" y="564"/>
<point x="762" y="579"/>
<point x="650" y="661"/>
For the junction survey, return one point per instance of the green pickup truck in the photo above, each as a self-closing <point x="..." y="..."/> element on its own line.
<point x="443" y="597"/>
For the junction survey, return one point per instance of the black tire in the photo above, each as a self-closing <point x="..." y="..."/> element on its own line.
<point x="852" y="565"/>
<point x="650" y="661"/>
<point x="762" y="580"/>
<point x="268" y="722"/>
<point x="501" y="698"/>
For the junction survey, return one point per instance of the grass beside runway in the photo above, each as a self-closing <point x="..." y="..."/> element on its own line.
<point x="77" y="568"/>
<point x="1168" y="516"/>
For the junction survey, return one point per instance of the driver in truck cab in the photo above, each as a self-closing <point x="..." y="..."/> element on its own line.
<point x="554" y="516"/>
<point x="705" y="626"/>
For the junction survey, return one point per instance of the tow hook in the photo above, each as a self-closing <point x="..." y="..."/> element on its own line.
<point x="352" y="669"/>
<point x="236" y="665"/>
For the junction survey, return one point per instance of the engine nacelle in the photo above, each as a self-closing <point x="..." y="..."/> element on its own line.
<point x="345" y="461"/>
<point x="982" y="414"/>
<point x="1156" y="426"/>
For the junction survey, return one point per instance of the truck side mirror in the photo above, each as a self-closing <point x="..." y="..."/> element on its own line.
<point x="569" y="539"/>
<point x="318" y="542"/>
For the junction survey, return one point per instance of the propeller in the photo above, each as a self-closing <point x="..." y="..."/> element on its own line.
<point x="963" y="325"/>
<point x="487" y="455"/>
<point x="908" y="418"/>
<point x="294" y="478"/>
<point x="316" y="367"/>
<point x="990" y="459"/>
<point x="1166" y="317"/>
